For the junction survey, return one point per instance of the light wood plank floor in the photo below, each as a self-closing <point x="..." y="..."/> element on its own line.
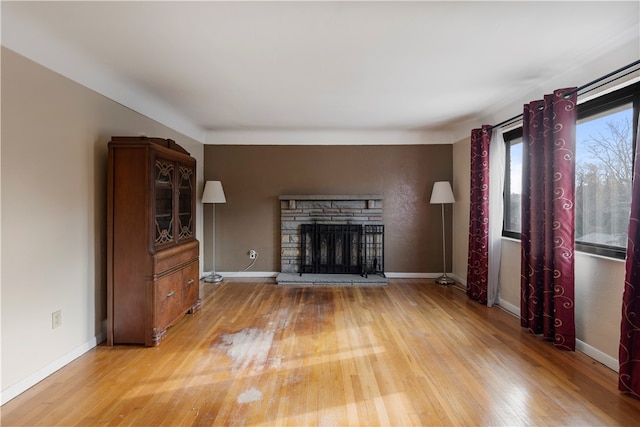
<point x="410" y="353"/>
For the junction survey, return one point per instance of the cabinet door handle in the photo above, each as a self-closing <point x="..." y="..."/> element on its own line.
<point x="170" y="294"/>
<point x="191" y="282"/>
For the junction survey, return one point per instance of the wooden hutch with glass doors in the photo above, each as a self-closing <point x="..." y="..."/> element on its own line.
<point x="152" y="252"/>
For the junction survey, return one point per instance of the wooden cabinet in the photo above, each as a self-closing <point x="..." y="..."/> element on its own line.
<point x="152" y="253"/>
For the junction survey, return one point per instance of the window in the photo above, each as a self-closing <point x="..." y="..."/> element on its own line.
<point x="513" y="183"/>
<point x="605" y="140"/>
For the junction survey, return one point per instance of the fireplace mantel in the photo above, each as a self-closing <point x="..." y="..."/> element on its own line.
<point x="332" y="197"/>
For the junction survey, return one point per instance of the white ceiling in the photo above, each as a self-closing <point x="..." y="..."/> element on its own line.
<point x="230" y="71"/>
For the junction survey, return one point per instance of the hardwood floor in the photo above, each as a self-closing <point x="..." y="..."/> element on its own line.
<point x="410" y="353"/>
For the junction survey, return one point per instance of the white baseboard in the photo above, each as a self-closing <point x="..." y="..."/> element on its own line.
<point x="597" y="355"/>
<point x="608" y="361"/>
<point x="270" y="274"/>
<point x="509" y="307"/>
<point x="232" y="274"/>
<point x="42" y="373"/>
<point x="412" y="275"/>
<point x="462" y="281"/>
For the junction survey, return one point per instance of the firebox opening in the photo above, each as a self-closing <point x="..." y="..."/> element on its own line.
<point x="342" y="248"/>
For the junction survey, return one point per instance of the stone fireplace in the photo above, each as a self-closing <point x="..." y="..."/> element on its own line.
<point x="349" y="227"/>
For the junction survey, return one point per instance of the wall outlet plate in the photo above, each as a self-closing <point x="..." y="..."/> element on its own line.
<point x="252" y="254"/>
<point x="56" y="319"/>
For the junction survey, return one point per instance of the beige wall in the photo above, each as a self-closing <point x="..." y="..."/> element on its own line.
<point x="254" y="176"/>
<point x="599" y="281"/>
<point x="462" y="191"/>
<point x="54" y="152"/>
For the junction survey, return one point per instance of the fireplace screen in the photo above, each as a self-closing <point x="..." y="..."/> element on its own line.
<point x="342" y="248"/>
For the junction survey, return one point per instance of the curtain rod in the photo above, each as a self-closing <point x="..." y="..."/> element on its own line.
<point x="591" y="83"/>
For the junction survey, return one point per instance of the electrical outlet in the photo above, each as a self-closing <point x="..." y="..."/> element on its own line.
<point x="252" y="254"/>
<point x="56" y="319"/>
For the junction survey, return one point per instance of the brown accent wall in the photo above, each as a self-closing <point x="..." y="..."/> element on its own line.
<point x="254" y="176"/>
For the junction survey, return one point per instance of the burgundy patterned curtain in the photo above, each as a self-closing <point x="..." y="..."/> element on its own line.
<point x="548" y="217"/>
<point x="629" y="353"/>
<point x="478" y="259"/>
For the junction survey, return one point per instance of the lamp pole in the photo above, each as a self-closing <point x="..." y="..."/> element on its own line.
<point x="444" y="279"/>
<point x="213" y="277"/>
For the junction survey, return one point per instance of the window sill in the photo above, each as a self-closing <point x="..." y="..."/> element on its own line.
<point x="578" y="252"/>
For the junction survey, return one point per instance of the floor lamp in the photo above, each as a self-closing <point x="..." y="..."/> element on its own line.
<point x="213" y="193"/>
<point x="442" y="194"/>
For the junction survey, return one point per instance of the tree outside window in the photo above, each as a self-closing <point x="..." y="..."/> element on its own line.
<point x="604" y="172"/>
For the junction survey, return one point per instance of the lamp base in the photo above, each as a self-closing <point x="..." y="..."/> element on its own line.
<point x="213" y="278"/>
<point x="445" y="280"/>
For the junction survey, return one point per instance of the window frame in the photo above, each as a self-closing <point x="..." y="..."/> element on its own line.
<point x="598" y="105"/>
<point x="509" y="138"/>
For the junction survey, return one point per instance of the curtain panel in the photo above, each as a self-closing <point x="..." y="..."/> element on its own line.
<point x="497" y="159"/>
<point x="629" y="353"/>
<point x="548" y="218"/>
<point x="478" y="260"/>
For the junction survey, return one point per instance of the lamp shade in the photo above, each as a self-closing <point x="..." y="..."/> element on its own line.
<point x="213" y="192"/>
<point x="442" y="193"/>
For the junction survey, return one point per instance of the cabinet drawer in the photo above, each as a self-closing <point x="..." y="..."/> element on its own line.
<point x="174" y="257"/>
<point x="190" y="286"/>
<point x="168" y="299"/>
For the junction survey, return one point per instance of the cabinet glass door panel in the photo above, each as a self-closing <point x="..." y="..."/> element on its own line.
<point x="185" y="207"/>
<point x="164" y="173"/>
